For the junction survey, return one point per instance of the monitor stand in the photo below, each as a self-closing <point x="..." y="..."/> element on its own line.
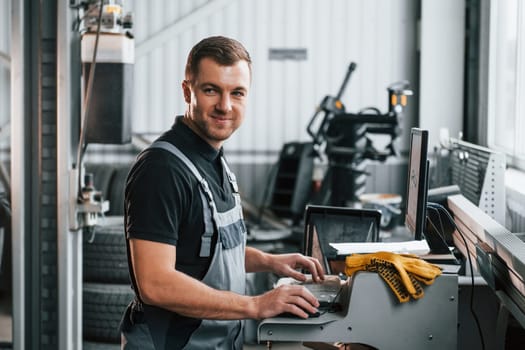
<point x="436" y="243"/>
<point x="439" y="251"/>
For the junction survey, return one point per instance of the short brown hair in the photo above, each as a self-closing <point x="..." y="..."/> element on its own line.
<point x="224" y="51"/>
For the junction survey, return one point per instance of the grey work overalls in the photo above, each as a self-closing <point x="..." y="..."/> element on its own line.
<point x="226" y="272"/>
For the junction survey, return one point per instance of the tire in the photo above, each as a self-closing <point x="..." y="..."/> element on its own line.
<point x="103" y="307"/>
<point x="116" y="190"/>
<point x="105" y="257"/>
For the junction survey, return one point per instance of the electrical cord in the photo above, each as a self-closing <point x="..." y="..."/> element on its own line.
<point x="84" y="116"/>
<point x="439" y="207"/>
<point x="442" y="232"/>
<point x="442" y="226"/>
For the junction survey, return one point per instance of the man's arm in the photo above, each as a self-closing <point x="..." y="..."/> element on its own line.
<point x="161" y="285"/>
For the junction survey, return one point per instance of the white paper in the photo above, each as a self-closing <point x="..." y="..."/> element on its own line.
<point x="413" y="247"/>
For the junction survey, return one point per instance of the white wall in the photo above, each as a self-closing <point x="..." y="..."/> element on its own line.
<point x="442" y="67"/>
<point x="379" y="35"/>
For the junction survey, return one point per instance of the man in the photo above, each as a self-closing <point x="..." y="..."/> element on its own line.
<point x="186" y="238"/>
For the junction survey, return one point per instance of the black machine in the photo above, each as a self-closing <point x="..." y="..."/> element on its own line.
<point x="344" y="139"/>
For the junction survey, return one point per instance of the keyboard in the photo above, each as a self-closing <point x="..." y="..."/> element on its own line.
<point x="326" y="292"/>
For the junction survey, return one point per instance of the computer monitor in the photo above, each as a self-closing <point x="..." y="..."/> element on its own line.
<point x="416" y="198"/>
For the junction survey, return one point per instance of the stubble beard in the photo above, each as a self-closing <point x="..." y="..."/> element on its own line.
<point x="213" y="132"/>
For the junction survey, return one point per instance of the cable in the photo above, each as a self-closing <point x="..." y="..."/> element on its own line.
<point x="474" y="315"/>
<point x="442" y="226"/>
<point x="442" y="233"/>
<point x="84" y="116"/>
<point x="439" y="207"/>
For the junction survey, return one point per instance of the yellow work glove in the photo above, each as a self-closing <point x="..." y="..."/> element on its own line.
<point x="401" y="271"/>
<point x="391" y="276"/>
<point x="367" y="262"/>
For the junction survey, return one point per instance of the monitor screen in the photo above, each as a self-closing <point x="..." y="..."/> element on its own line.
<point x="328" y="224"/>
<point x="416" y="197"/>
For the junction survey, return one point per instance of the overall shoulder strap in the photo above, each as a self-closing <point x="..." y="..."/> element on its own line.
<point x="206" y="195"/>
<point x="231" y="175"/>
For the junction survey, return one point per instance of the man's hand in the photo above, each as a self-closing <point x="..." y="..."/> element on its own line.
<point x="287" y="265"/>
<point x="294" y="299"/>
<point x="284" y="265"/>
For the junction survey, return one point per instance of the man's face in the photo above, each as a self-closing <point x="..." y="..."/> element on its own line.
<point x="216" y="100"/>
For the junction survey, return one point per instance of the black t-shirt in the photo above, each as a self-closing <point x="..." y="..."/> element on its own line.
<point x="162" y="199"/>
<point x="163" y="204"/>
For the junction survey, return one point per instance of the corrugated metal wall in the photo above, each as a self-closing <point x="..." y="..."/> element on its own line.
<point x="379" y="35"/>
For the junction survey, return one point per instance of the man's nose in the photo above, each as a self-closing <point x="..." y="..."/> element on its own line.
<point x="224" y="104"/>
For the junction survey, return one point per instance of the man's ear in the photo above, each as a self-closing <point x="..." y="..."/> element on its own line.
<point x="186" y="90"/>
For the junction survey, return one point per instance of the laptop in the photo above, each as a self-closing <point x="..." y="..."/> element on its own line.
<point x="328" y="224"/>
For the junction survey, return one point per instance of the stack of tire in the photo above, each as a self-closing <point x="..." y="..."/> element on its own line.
<point x="106" y="288"/>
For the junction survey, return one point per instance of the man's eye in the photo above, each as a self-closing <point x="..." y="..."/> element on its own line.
<point x="209" y="91"/>
<point x="238" y="93"/>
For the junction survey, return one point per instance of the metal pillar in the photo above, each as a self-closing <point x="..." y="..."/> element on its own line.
<point x="18" y="183"/>
<point x="69" y="242"/>
<point x="47" y="256"/>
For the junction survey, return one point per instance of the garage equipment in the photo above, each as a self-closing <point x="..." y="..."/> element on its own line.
<point x="344" y="139"/>
<point x="107" y="55"/>
<point x="370" y="314"/>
